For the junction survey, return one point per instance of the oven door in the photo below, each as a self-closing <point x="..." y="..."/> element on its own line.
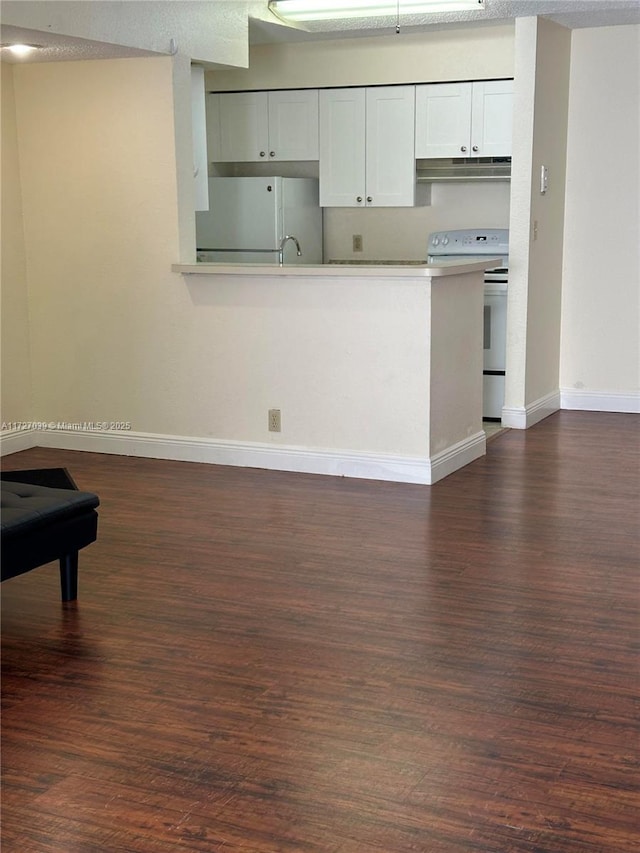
<point x="495" y="327"/>
<point x="495" y="350"/>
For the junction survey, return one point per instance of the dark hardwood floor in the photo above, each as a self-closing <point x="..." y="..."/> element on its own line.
<point x="263" y="662"/>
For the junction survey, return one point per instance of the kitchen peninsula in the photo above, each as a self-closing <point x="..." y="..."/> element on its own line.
<point x="377" y="370"/>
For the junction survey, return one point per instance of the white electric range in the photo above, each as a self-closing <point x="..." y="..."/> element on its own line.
<point x="477" y="243"/>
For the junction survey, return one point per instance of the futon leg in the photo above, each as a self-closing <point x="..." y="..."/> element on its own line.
<point x="69" y="576"/>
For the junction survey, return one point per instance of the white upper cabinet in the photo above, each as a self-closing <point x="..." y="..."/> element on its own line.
<point x="464" y="119"/>
<point x="293" y="125"/>
<point x="492" y="118"/>
<point x="262" y="126"/>
<point x="367" y="140"/>
<point x="342" y="162"/>
<point x="244" y="126"/>
<point x="443" y="120"/>
<point x="390" y="148"/>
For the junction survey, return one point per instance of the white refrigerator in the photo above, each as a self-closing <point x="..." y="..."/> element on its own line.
<point x="249" y="217"/>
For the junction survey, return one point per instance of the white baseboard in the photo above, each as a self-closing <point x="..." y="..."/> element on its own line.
<point x="600" y="401"/>
<point x="14" y="440"/>
<point x="524" y="417"/>
<point x="368" y="466"/>
<point x="457" y="455"/>
<point x="570" y="398"/>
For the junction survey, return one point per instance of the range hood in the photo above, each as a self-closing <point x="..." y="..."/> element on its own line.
<point x="464" y="169"/>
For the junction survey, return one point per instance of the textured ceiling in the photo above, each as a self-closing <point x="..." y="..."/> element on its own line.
<point x="57" y="48"/>
<point x="265" y="28"/>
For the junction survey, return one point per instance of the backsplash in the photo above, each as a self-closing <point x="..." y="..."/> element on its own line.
<point x="400" y="233"/>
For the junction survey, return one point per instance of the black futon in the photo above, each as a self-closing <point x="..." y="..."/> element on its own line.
<point x="41" y="524"/>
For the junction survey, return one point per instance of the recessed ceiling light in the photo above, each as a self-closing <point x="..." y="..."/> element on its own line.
<point x="327" y="10"/>
<point x="21" y="49"/>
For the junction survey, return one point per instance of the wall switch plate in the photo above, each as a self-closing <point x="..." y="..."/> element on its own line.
<point x="357" y="242"/>
<point x="275" y="420"/>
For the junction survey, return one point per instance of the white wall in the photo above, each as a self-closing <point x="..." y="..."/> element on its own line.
<point x="100" y="214"/>
<point x="214" y="32"/>
<point x="547" y="210"/>
<point x="15" y="385"/>
<point x="600" y="361"/>
<point x="456" y="54"/>
<point x="401" y="233"/>
<point x="537" y="220"/>
<point x="74" y="197"/>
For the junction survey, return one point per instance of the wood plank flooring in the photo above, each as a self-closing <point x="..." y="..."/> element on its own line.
<point x="263" y="662"/>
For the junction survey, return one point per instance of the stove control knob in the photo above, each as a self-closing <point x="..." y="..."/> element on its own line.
<point x="436" y="241"/>
<point x="445" y="241"/>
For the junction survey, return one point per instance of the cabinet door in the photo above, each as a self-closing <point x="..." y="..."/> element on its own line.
<point x="293" y="125"/>
<point x="342" y="148"/>
<point x="244" y="127"/>
<point x="390" y="146"/>
<point x="492" y="118"/>
<point x="443" y="120"/>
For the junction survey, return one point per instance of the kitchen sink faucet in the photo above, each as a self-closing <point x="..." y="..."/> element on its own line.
<point x="283" y="243"/>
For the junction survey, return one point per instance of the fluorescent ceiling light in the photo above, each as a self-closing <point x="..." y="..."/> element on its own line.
<point x="327" y="10"/>
<point x="21" y="49"/>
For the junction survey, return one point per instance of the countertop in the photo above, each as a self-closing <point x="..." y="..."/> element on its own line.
<point x="342" y="269"/>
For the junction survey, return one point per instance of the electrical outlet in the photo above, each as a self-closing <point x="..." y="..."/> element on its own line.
<point x="357" y="242"/>
<point x="275" y="420"/>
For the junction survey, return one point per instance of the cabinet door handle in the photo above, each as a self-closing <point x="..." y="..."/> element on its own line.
<point x="463" y="148"/>
<point x="359" y="199"/>
<point x="475" y="148"/>
<point x="272" y="153"/>
<point x="369" y="199"/>
<point x="262" y="153"/>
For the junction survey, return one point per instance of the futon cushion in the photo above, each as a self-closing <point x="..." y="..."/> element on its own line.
<point x="25" y="507"/>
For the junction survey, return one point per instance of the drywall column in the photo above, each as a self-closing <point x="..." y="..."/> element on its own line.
<point x="520" y="219"/>
<point x="543" y="52"/>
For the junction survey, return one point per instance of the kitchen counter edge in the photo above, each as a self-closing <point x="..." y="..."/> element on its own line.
<point x="442" y="268"/>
